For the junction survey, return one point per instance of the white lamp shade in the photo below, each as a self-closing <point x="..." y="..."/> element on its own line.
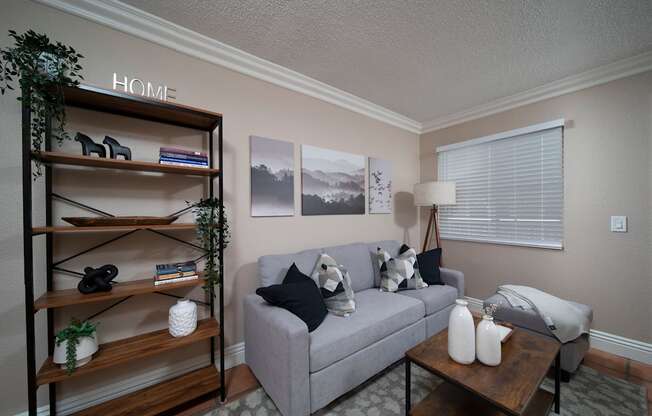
<point x="434" y="193"/>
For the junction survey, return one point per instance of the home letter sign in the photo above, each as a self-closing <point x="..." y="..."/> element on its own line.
<point x="146" y="89"/>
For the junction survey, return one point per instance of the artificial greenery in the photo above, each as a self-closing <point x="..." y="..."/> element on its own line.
<point x="207" y="213"/>
<point x="73" y="333"/>
<point x="43" y="69"/>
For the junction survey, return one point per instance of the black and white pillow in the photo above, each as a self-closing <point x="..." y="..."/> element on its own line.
<point x="401" y="272"/>
<point x="335" y="284"/>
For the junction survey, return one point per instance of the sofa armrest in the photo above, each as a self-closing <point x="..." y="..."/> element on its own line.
<point x="453" y="278"/>
<point x="277" y="351"/>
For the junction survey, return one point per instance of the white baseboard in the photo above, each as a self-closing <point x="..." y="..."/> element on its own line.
<point x="604" y="341"/>
<point x="234" y="355"/>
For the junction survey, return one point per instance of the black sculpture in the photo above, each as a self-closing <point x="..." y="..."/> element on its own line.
<point x="89" y="146"/>
<point x="97" y="280"/>
<point x="115" y="149"/>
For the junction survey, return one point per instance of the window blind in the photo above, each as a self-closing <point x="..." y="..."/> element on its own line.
<point x="510" y="188"/>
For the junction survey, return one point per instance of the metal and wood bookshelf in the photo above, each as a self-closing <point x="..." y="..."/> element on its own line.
<point x="170" y="394"/>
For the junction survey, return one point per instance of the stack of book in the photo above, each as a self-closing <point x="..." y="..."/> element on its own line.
<point x="176" y="272"/>
<point x="182" y="157"/>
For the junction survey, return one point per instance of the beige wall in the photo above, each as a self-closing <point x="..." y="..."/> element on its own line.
<point x="607" y="171"/>
<point x="250" y="107"/>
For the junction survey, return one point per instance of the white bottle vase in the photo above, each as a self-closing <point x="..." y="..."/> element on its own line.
<point x="461" y="333"/>
<point x="183" y="318"/>
<point x="487" y="339"/>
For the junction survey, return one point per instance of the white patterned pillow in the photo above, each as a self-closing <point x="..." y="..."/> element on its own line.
<point x="401" y="272"/>
<point x="335" y="284"/>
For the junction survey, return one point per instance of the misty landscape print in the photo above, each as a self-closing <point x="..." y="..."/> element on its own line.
<point x="332" y="182"/>
<point x="272" y="177"/>
<point x="380" y="186"/>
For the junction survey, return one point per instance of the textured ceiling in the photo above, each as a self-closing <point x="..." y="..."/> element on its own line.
<point x="424" y="59"/>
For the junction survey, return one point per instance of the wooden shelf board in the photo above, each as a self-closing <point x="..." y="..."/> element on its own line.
<point x="133" y="165"/>
<point x="160" y="397"/>
<point x="128" y="349"/>
<point x="72" y="229"/>
<point x="448" y="399"/>
<point x="114" y="102"/>
<point x="67" y="297"/>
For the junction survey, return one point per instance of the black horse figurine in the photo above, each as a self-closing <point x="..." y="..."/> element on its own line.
<point x="97" y="280"/>
<point x="89" y="146"/>
<point x="115" y="149"/>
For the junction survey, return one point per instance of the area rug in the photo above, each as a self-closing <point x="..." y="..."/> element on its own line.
<point x="589" y="393"/>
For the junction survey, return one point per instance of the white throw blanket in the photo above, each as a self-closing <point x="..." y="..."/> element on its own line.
<point x="565" y="320"/>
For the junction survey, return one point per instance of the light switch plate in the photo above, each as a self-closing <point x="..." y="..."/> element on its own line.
<point x="619" y="223"/>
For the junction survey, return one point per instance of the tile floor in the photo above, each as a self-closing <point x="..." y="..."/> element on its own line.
<point x="243" y="380"/>
<point x="623" y="368"/>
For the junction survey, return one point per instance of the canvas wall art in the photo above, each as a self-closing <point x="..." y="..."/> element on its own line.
<point x="272" y="177"/>
<point x="380" y="186"/>
<point x="332" y="182"/>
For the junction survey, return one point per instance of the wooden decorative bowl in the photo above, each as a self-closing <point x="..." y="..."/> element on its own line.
<point x="118" y="221"/>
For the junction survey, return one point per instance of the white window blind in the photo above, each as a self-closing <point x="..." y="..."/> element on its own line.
<point x="510" y="188"/>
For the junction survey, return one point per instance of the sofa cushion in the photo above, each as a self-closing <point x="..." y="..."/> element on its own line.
<point x="390" y="246"/>
<point x="435" y="297"/>
<point x="429" y="266"/>
<point x="272" y="269"/>
<point x="400" y="272"/>
<point x="355" y="259"/>
<point x="378" y="315"/>
<point x="298" y="294"/>
<point x="335" y="285"/>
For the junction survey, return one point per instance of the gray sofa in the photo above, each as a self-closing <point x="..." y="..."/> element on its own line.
<point x="303" y="372"/>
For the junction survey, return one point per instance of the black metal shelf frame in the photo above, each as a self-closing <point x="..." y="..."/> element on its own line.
<point x="52" y="266"/>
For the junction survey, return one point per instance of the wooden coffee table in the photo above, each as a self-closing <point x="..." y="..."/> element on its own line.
<point x="511" y="388"/>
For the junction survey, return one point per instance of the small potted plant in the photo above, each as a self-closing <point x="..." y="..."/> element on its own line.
<point x="75" y="345"/>
<point x="207" y="213"/>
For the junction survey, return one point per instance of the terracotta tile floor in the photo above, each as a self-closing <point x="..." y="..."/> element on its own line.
<point x="623" y="368"/>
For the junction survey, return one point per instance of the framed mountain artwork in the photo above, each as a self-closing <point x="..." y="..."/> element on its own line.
<point x="332" y="182"/>
<point x="272" y="177"/>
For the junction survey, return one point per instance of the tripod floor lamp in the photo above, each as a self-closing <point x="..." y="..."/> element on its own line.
<point x="433" y="194"/>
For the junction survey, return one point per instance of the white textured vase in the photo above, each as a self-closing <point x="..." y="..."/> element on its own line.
<point x="487" y="341"/>
<point x="461" y="333"/>
<point x="85" y="349"/>
<point x="183" y="318"/>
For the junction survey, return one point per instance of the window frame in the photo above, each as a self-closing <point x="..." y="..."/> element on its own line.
<point x="535" y="128"/>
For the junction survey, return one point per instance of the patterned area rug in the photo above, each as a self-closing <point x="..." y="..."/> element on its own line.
<point x="588" y="394"/>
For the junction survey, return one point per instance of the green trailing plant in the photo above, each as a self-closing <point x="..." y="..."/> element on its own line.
<point x="73" y="333"/>
<point x="207" y="214"/>
<point x="42" y="69"/>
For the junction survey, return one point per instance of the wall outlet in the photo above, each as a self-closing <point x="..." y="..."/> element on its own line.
<point x="619" y="223"/>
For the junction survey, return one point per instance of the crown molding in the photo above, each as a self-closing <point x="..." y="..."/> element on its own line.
<point x="128" y="19"/>
<point x="136" y="22"/>
<point x="601" y="75"/>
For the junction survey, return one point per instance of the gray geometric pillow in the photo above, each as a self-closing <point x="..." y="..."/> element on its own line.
<point x="401" y="272"/>
<point x="335" y="284"/>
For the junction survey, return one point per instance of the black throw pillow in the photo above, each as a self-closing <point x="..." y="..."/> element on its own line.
<point x="298" y="294"/>
<point x="429" y="266"/>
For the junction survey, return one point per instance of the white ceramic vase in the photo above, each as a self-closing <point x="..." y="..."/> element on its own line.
<point x="183" y="318"/>
<point x="85" y="349"/>
<point x="461" y="333"/>
<point x="487" y="339"/>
